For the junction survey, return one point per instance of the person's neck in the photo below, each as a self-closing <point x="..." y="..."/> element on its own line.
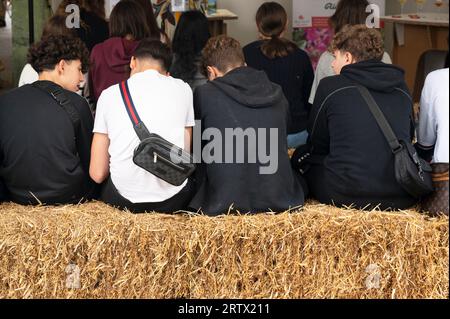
<point x="142" y="69"/>
<point x="49" y="76"/>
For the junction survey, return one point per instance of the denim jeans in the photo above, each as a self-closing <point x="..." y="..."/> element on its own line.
<point x="297" y="139"/>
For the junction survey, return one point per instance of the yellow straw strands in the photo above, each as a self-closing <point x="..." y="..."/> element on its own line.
<point x="95" y="251"/>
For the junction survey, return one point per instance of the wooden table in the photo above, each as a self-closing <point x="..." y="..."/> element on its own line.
<point x="217" y="25"/>
<point x="415" y="36"/>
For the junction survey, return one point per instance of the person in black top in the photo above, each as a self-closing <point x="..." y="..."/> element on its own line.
<point x="44" y="157"/>
<point x="351" y="161"/>
<point x="285" y="64"/>
<point x="241" y="104"/>
<point x="190" y="38"/>
<point x="93" y="25"/>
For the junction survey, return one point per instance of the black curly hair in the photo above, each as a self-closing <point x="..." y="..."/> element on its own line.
<point x="47" y="53"/>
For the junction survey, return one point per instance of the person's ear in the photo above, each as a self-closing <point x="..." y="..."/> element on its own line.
<point x="348" y="58"/>
<point x="133" y="63"/>
<point x="213" y="73"/>
<point x="61" y="66"/>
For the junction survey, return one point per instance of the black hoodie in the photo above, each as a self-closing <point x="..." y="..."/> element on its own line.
<point x="245" y="99"/>
<point x="358" y="165"/>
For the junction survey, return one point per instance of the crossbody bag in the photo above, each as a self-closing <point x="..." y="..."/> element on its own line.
<point x="155" y="154"/>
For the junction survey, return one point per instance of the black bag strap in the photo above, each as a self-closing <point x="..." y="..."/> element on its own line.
<point x="61" y="98"/>
<point x="388" y="133"/>
<point x="139" y="126"/>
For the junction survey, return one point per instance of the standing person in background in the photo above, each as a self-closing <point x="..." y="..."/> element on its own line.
<point x="348" y="12"/>
<point x="285" y="64"/>
<point x="190" y="38"/>
<point x="155" y="31"/>
<point x="110" y="60"/>
<point x="2" y="14"/>
<point x="93" y="26"/>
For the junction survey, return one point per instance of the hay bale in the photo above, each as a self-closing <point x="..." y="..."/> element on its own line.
<point x="319" y="252"/>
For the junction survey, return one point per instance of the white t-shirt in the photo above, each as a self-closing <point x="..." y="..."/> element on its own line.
<point x="28" y="75"/>
<point x="434" y="105"/>
<point x="165" y="105"/>
<point x="324" y="69"/>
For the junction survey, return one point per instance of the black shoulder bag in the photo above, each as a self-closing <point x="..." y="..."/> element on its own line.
<point x="411" y="172"/>
<point x="155" y="154"/>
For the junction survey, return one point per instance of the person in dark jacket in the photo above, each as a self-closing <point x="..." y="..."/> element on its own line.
<point x="285" y="64"/>
<point x="351" y="161"/>
<point x="245" y="166"/>
<point x="110" y="59"/>
<point x="190" y="38"/>
<point x="44" y="157"/>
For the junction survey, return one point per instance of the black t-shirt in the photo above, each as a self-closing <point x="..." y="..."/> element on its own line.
<point x="41" y="159"/>
<point x="94" y="30"/>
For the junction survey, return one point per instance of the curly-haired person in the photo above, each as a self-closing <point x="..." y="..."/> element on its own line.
<point x="351" y="162"/>
<point x="46" y="129"/>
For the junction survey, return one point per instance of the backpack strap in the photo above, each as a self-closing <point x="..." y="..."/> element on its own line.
<point x="61" y="98"/>
<point x="139" y="126"/>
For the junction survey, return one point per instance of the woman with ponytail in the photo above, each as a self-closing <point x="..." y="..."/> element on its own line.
<point x="285" y="65"/>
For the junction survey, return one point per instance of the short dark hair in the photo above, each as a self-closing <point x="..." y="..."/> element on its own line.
<point x="223" y="52"/>
<point x="156" y="50"/>
<point x="128" y="18"/>
<point x="46" y="54"/>
<point x="349" y="12"/>
<point x="362" y="42"/>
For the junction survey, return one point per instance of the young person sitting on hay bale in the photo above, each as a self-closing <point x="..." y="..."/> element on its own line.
<point x="46" y="129"/>
<point x="433" y="138"/>
<point x="244" y="118"/>
<point x="165" y="106"/>
<point x="351" y="162"/>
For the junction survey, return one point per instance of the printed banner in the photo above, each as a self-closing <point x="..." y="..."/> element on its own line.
<point x="315" y="13"/>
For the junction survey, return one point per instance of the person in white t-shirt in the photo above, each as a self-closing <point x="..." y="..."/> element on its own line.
<point x="433" y="134"/>
<point x="165" y="105"/>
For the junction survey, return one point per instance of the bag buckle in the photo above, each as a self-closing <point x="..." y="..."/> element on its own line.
<point x="398" y="150"/>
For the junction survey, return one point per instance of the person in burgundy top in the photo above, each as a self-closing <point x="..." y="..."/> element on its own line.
<point x="110" y="60"/>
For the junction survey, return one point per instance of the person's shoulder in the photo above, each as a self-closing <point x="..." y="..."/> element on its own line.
<point x="331" y="85"/>
<point x="436" y="77"/>
<point x="22" y="93"/>
<point x="77" y="100"/>
<point x="252" y="47"/>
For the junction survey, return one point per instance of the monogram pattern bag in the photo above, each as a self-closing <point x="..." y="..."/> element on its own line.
<point x="437" y="203"/>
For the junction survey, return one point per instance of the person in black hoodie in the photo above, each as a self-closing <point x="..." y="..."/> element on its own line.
<point x="253" y="176"/>
<point x="351" y="162"/>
